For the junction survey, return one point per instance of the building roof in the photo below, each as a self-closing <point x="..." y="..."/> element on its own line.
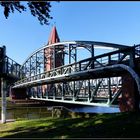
<point x="53" y="38"/>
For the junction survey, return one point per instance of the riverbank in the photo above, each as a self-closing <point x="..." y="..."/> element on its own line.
<point x="21" y="103"/>
<point x="29" y="109"/>
<point x="117" y="125"/>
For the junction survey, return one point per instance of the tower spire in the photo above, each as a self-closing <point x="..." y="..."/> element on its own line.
<point x="53" y="38"/>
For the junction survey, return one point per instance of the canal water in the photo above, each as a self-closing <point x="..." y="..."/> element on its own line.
<point x="96" y="109"/>
<point x="28" y="112"/>
<point x="35" y="112"/>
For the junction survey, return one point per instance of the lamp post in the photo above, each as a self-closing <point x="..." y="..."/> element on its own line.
<point x="3" y="85"/>
<point x="3" y="94"/>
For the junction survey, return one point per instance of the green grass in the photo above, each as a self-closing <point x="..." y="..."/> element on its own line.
<point x="118" y="125"/>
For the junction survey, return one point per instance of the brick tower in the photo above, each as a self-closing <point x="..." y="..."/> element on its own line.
<point x="54" y="54"/>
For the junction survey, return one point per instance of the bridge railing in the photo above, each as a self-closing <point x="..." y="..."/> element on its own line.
<point x="115" y="57"/>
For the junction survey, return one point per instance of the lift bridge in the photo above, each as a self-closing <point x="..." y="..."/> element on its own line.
<point x="75" y="72"/>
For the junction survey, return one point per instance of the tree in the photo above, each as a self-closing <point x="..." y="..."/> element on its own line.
<point x="40" y="10"/>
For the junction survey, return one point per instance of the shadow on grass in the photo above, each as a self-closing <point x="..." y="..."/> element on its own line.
<point x="123" y="125"/>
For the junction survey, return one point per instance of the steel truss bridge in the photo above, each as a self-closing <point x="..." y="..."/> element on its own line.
<point x="78" y="74"/>
<point x="75" y="72"/>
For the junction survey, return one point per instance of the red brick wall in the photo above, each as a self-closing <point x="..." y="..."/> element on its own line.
<point x="128" y="102"/>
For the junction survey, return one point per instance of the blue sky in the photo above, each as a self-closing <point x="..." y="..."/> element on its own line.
<point x="115" y="22"/>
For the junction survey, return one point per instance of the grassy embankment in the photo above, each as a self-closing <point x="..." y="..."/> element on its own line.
<point x="118" y="125"/>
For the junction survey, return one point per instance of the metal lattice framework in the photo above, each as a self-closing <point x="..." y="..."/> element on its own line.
<point x="60" y="72"/>
<point x="8" y="67"/>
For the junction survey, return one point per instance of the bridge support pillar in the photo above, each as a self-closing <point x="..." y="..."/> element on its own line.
<point x="130" y="96"/>
<point x="3" y="100"/>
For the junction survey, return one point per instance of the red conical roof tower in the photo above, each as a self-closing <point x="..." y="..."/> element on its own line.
<point x="53" y="38"/>
<point x="53" y="59"/>
<point x="52" y="54"/>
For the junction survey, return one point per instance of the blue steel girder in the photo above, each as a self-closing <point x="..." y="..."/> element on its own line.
<point x="104" y="95"/>
<point x="77" y="91"/>
<point x="60" y="83"/>
<point x="112" y="58"/>
<point x="70" y="53"/>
